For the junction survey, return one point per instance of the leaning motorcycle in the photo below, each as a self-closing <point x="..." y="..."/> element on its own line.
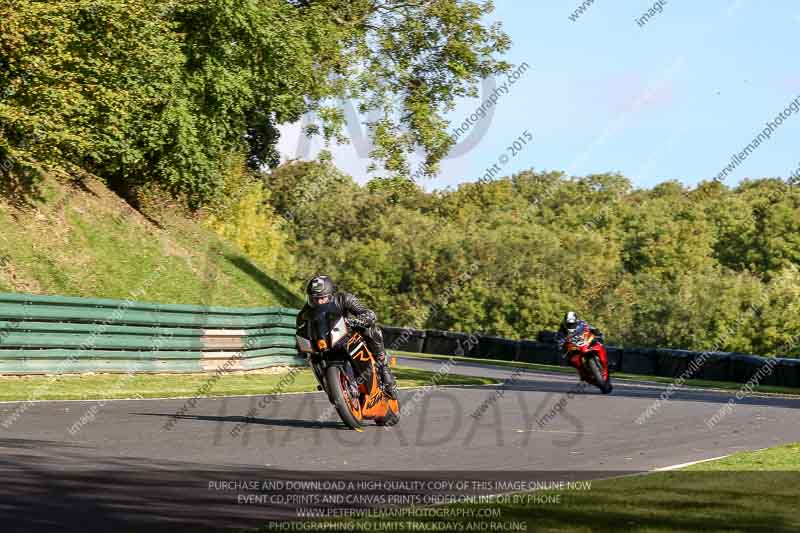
<point x="586" y="353"/>
<point x="345" y="368"/>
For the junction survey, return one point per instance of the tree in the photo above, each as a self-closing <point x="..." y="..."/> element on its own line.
<point x="141" y="92"/>
<point x="650" y="267"/>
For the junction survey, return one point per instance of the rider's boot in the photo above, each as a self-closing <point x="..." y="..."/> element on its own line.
<point x="389" y="385"/>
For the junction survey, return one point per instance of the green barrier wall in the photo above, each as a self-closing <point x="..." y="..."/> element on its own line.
<point x="58" y="334"/>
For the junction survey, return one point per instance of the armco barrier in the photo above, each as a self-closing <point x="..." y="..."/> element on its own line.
<point x="743" y="366"/>
<point x="716" y="367"/>
<point x="674" y="363"/>
<point x="538" y="352"/>
<point x="390" y="335"/>
<point x="787" y="373"/>
<point x="448" y="343"/>
<point x="546" y="336"/>
<point x="497" y="348"/>
<point x="771" y="376"/>
<point x="56" y="334"/>
<point x="640" y="361"/>
<point x="403" y="339"/>
<point x="614" y="355"/>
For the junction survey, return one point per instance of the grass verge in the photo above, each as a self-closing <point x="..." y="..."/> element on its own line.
<point x="701" y="383"/>
<point x="748" y="491"/>
<point x="121" y="386"/>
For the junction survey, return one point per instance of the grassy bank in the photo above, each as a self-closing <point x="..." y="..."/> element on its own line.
<point x="120" y="386"/>
<point x="86" y="241"/>
<point x="617" y="376"/>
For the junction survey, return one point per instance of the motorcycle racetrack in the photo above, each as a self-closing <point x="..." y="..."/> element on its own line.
<point x="132" y="466"/>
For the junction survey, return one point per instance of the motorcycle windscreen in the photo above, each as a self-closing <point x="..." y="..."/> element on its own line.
<point x="303" y="337"/>
<point x="578" y="337"/>
<point x="327" y="326"/>
<point x="303" y="344"/>
<point x="338" y="331"/>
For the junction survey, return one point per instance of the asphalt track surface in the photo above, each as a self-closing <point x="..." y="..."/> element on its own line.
<point x="123" y="471"/>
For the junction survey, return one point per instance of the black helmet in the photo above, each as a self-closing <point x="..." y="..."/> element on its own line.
<point x="570" y="320"/>
<point x="318" y="288"/>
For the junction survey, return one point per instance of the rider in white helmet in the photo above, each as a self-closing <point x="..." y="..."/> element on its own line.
<point x="569" y="325"/>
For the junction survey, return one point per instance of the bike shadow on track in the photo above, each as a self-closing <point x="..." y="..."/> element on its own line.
<point x="279" y="422"/>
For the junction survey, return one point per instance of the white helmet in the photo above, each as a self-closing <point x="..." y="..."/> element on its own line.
<point x="570" y="320"/>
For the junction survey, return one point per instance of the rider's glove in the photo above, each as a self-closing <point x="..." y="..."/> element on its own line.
<point x="562" y="348"/>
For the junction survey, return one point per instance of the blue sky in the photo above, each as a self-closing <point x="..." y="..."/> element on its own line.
<point x="674" y="99"/>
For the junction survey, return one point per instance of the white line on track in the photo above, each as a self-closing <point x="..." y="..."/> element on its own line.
<point x="682" y="465"/>
<point x="550" y="431"/>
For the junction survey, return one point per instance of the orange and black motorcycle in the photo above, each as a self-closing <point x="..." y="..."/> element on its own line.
<point x="345" y="368"/>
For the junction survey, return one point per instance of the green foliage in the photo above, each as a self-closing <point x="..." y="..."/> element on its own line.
<point x="86" y="241"/>
<point x="660" y="267"/>
<point x="87" y="86"/>
<point x="186" y="97"/>
<point x="252" y="225"/>
<point x="242" y="215"/>
<point x="143" y="92"/>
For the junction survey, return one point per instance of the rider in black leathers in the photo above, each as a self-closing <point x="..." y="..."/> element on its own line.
<point x="569" y="325"/>
<point x="321" y="290"/>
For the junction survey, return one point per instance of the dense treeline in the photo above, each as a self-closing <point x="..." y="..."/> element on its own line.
<point x="705" y="268"/>
<point x="150" y="94"/>
<point x="183" y="99"/>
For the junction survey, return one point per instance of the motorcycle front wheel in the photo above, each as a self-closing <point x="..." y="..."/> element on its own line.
<point x="349" y="408"/>
<point x="597" y="373"/>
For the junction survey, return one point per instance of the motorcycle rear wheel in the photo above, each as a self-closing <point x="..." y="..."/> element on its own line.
<point x="348" y="408"/>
